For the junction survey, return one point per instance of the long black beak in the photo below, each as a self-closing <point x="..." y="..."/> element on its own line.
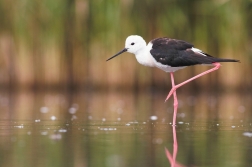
<point x="124" y="50"/>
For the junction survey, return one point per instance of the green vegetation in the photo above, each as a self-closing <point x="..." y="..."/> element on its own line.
<point x="64" y="44"/>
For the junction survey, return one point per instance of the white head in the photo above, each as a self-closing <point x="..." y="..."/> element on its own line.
<point x="133" y="44"/>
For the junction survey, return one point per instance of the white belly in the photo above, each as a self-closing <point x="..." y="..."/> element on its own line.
<point x="167" y="68"/>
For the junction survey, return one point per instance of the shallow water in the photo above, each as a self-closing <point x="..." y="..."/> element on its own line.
<point x="124" y="129"/>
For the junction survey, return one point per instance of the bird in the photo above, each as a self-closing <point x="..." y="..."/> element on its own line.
<point x="170" y="55"/>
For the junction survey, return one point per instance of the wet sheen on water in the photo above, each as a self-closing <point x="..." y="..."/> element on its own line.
<point x="119" y="129"/>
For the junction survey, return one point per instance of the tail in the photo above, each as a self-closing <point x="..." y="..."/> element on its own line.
<point x="225" y="60"/>
<point x="219" y="59"/>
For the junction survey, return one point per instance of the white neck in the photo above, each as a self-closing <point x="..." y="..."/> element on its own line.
<point x="144" y="57"/>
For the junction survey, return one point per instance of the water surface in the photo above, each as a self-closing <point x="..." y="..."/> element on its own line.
<point x="124" y="129"/>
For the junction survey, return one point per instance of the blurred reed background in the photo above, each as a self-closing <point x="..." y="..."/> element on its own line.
<point x="64" y="44"/>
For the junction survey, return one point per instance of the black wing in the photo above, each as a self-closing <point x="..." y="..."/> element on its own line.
<point x="178" y="53"/>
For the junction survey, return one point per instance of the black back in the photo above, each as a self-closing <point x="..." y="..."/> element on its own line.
<point x="178" y="53"/>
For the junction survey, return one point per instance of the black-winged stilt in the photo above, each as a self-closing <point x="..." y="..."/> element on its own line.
<point x="170" y="55"/>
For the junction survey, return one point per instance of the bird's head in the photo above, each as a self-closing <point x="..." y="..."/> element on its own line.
<point x="133" y="44"/>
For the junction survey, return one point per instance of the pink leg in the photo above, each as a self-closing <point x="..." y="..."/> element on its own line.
<point x="175" y="104"/>
<point x="217" y="66"/>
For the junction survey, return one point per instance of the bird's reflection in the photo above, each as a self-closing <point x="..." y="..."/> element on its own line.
<point x="172" y="157"/>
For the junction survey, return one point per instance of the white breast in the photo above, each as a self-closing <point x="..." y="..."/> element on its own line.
<point x="144" y="57"/>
